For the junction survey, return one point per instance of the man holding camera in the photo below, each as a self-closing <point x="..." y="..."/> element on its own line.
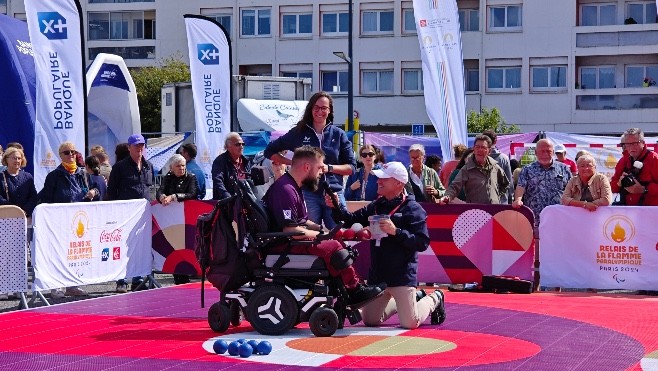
<point x="636" y="173"/>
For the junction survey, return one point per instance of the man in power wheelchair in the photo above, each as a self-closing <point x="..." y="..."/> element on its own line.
<point x="302" y="274"/>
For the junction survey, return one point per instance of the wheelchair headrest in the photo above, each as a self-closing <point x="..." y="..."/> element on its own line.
<point x="256" y="212"/>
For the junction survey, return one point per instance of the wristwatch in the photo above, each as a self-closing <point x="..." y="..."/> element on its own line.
<point x="330" y="168"/>
<point x="398" y="231"/>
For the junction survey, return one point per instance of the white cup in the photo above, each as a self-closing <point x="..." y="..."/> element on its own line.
<point x="375" y="232"/>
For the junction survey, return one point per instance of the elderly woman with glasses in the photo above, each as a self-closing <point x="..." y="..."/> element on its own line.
<point x="424" y="182"/>
<point x="17" y="186"/>
<point x="589" y="189"/>
<point x="68" y="183"/>
<point x="362" y="185"/>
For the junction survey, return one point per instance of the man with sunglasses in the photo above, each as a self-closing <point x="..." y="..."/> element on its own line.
<point x="636" y="173"/>
<point x="228" y="167"/>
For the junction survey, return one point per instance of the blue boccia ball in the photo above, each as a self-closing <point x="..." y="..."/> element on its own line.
<point x="241" y="341"/>
<point x="264" y="347"/>
<point x="253" y="343"/>
<point x="245" y="350"/>
<point x="233" y="348"/>
<point x="220" y="346"/>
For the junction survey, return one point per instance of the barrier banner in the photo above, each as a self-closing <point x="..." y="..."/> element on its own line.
<point x="611" y="248"/>
<point x="173" y="234"/>
<point x="13" y="250"/>
<point x="56" y="35"/>
<point x="210" y="69"/>
<point x="84" y="243"/>
<point x="439" y="37"/>
<point x="471" y="240"/>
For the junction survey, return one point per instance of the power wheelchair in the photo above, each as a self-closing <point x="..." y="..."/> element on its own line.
<point x="274" y="292"/>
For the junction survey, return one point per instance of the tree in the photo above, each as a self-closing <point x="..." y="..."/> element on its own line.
<point x="489" y="120"/>
<point x="148" y="83"/>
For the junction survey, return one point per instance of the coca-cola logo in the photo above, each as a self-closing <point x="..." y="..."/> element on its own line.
<point x="113" y="236"/>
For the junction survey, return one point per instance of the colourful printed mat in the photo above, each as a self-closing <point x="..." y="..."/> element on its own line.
<point x="166" y="329"/>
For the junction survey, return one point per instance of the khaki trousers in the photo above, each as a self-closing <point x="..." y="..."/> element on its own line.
<point x="400" y="300"/>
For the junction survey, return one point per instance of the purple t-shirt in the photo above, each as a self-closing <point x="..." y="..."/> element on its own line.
<point x="285" y="203"/>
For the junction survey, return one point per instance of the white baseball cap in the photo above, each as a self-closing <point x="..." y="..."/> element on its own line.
<point x="560" y="149"/>
<point x="394" y="170"/>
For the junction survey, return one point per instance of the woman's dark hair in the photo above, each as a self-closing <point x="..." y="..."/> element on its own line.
<point x="432" y="160"/>
<point x="121" y="151"/>
<point x="308" y="112"/>
<point x="462" y="161"/>
<point x="93" y="164"/>
<point x="513" y="164"/>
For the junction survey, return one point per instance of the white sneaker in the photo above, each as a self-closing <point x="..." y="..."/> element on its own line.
<point x="56" y="294"/>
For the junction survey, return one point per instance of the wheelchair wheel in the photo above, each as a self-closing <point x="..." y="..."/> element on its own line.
<point x="323" y="322"/>
<point x="272" y="310"/>
<point x="234" y="310"/>
<point x="219" y="317"/>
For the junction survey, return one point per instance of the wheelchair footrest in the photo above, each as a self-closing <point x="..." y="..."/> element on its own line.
<point x="354" y="316"/>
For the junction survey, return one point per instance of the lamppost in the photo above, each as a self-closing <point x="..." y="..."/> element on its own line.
<point x="350" y="70"/>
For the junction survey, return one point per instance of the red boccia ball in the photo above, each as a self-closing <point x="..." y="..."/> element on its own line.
<point x="339" y="234"/>
<point x="363" y="235"/>
<point x="349" y="234"/>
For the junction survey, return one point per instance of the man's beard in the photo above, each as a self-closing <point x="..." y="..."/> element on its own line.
<point x="311" y="183"/>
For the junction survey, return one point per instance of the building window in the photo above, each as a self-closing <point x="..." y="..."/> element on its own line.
<point x="300" y="75"/>
<point x="223" y="19"/>
<point x="505" y="18"/>
<point x="604" y="14"/>
<point x="335" y="24"/>
<point x="412" y="80"/>
<point x="377" y="82"/>
<point x="548" y="78"/>
<point x="128" y="52"/>
<point x="121" y="25"/>
<point x="255" y="22"/>
<point x="473" y="79"/>
<point x="602" y="77"/>
<point x="469" y="20"/>
<point x="408" y="21"/>
<point x="635" y="75"/>
<point x="377" y="22"/>
<point x="296" y="24"/>
<point x="644" y="12"/>
<point x="504" y="79"/>
<point x="334" y="81"/>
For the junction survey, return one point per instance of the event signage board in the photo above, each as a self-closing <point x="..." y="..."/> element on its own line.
<point x="56" y="35"/>
<point x="90" y="242"/>
<point x="210" y="69"/>
<point x="437" y="23"/>
<point x="13" y="249"/>
<point x="610" y="248"/>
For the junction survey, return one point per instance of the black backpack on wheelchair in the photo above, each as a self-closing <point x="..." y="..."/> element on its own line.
<point x="273" y="292"/>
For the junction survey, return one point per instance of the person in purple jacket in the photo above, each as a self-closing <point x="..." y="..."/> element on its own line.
<point x="316" y="129"/>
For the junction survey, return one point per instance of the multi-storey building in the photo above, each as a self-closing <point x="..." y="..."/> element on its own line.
<point x="560" y="65"/>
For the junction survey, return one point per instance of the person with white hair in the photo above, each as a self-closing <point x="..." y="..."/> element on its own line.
<point x="424" y="182"/>
<point x="636" y="173"/>
<point x="178" y="184"/>
<point x="229" y="167"/>
<point x="589" y="189"/>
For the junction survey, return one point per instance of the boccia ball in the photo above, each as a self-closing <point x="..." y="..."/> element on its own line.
<point x="357" y="227"/>
<point x="233" y="348"/>
<point x="253" y="343"/>
<point x="264" y="347"/>
<point x="245" y="350"/>
<point x="220" y="346"/>
<point x="241" y="341"/>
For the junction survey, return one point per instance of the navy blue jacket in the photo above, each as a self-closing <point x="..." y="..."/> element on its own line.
<point x="337" y="148"/>
<point x="62" y="187"/>
<point x="371" y="187"/>
<point x="21" y="191"/>
<point x="224" y="175"/>
<point x="395" y="261"/>
<point x="128" y="183"/>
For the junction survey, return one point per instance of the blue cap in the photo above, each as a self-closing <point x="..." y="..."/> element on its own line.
<point x="136" y="139"/>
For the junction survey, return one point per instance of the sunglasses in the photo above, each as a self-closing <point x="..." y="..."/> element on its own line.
<point x="239" y="144"/>
<point x="69" y="153"/>
<point x="367" y="154"/>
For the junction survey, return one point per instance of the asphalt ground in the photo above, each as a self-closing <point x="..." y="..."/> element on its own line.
<point x="94" y="291"/>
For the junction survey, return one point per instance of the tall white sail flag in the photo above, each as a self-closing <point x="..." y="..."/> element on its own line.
<point x="56" y="35"/>
<point x="437" y="24"/>
<point x="210" y="69"/>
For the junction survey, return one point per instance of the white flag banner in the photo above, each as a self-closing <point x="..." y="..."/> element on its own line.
<point x="437" y="24"/>
<point x="611" y="248"/>
<point x="84" y="243"/>
<point x="56" y="35"/>
<point x="210" y="68"/>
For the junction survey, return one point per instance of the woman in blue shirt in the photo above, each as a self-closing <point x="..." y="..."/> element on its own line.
<point x="362" y="185"/>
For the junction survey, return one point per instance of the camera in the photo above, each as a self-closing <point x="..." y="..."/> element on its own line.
<point x="628" y="180"/>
